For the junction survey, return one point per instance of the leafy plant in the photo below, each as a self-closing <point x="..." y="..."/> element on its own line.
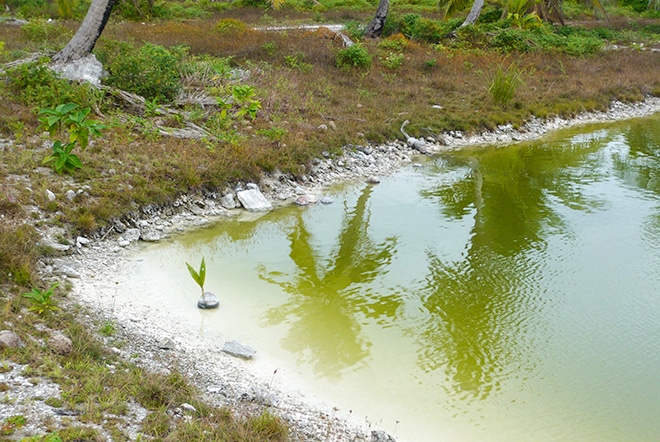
<point x="244" y="97"/>
<point x="42" y="299"/>
<point x="62" y="159"/>
<point x="517" y="14"/>
<point x="198" y="277"/>
<point x="68" y="117"/>
<point x="355" y="56"/>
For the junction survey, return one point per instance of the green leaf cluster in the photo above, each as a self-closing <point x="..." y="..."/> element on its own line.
<point x="70" y="118"/>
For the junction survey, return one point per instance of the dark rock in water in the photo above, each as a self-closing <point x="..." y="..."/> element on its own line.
<point x="301" y="201"/>
<point x="373" y="180"/>
<point x="235" y="348"/>
<point x="208" y="300"/>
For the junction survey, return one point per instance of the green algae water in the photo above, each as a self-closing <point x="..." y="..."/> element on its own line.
<point x="493" y="294"/>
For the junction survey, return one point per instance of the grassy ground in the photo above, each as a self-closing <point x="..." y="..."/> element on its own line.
<point x="266" y="101"/>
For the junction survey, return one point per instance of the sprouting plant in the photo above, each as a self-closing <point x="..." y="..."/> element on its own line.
<point x="42" y="299"/>
<point x="108" y="328"/>
<point x="151" y="107"/>
<point x="200" y="276"/>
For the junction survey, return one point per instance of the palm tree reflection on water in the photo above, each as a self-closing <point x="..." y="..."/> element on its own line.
<point x="329" y="297"/>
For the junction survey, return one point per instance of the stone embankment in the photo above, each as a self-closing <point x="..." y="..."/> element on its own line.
<point x="92" y="263"/>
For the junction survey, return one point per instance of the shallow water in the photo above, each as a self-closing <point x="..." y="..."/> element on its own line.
<point x="492" y="294"/>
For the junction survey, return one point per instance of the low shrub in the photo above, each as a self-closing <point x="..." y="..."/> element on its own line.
<point x="420" y="28"/>
<point x="151" y="71"/>
<point x="356" y="56"/>
<point x="35" y="84"/>
<point x="44" y="31"/>
<point x="396" y="42"/>
<point x="512" y="39"/>
<point x="228" y="26"/>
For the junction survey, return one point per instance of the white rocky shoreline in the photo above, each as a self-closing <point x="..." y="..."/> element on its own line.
<point x="157" y="341"/>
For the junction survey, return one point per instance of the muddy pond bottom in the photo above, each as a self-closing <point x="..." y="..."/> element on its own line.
<point x="492" y="294"/>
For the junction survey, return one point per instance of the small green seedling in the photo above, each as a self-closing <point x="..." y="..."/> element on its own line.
<point x="41" y="299"/>
<point x="200" y="276"/>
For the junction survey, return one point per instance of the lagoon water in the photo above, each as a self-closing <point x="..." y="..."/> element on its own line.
<point x="500" y="293"/>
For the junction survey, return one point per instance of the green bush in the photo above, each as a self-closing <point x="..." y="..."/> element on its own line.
<point x="34" y="84"/>
<point x="228" y="26"/>
<point x="471" y="37"/>
<point x="395" y="42"/>
<point x="151" y="71"/>
<point x="580" y="45"/>
<point x="512" y="39"/>
<point x="41" y="31"/>
<point x="421" y="28"/>
<point x="32" y="8"/>
<point x="355" y="56"/>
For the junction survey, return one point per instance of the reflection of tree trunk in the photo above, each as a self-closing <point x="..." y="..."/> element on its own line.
<point x="478" y="195"/>
<point x="375" y="28"/>
<point x="90" y="30"/>
<point x="472" y="17"/>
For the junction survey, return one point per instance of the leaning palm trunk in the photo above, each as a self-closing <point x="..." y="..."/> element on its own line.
<point x="472" y="17"/>
<point x="90" y="30"/>
<point x="375" y="28"/>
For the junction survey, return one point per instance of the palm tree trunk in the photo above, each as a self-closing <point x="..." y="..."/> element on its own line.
<point x="90" y="30"/>
<point x="375" y="28"/>
<point x="472" y="17"/>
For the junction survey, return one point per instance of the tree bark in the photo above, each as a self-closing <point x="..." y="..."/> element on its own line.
<point x="472" y="17"/>
<point x="375" y="28"/>
<point x="90" y="30"/>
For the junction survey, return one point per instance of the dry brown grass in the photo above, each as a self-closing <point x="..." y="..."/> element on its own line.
<point x="300" y="88"/>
